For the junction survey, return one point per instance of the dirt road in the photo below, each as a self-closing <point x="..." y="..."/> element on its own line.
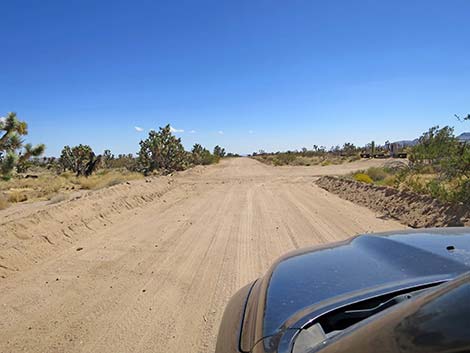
<point x="156" y="275"/>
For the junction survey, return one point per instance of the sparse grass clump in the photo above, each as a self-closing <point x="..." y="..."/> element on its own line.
<point x="30" y="189"/>
<point x="15" y="196"/>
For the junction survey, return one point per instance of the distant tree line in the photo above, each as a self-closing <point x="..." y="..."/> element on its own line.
<point x="161" y="151"/>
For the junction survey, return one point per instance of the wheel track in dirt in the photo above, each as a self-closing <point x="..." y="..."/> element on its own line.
<point x="216" y="229"/>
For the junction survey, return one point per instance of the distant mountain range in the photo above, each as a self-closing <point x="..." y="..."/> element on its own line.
<point x="463" y="137"/>
<point x="406" y="143"/>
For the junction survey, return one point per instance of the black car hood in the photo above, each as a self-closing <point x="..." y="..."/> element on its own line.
<point x="306" y="280"/>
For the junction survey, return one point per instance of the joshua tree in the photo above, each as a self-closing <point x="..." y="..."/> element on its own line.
<point x="107" y="158"/>
<point x="11" y="144"/>
<point x="201" y="155"/>
<point x="349" y="149"/>
<point x="197" y="153"/>
<point x="162" y="151"/>
<point x="219" y="151"/>
<point x="80" y="159"/>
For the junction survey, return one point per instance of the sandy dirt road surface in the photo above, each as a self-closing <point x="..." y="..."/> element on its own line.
<point x="154" y="272"/>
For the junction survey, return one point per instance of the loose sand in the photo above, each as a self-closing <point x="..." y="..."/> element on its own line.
<point x="149" y="266"/>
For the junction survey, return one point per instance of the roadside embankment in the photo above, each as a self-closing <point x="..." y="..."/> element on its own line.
<point x="28" y="236"/>
<point x="412" y="209"/>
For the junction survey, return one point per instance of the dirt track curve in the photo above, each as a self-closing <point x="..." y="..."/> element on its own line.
<point x="157" y="278"/>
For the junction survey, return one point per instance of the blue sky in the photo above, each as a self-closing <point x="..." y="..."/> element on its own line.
<point x="247" y="75"/>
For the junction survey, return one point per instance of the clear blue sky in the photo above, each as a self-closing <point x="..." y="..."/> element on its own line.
<point x="245" y="74"/>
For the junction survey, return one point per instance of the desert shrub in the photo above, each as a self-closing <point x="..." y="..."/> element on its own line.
<point x="427" y="169"/>
<point x="440" y="166"/>
<point x="363" y="178"/>
<point x="326" y="162"/>
<point x="284" y="159"/>
<point x="301" y="161"/>
<point x="390" y="180"/>
<point x="462" y="194"/>
<point x="208" y="158"/>
<point x="415" y="183"/>
<point x="127" y="161"/>
<point x="3" y="202"/>
<point x="376" y="173"/>
<point x="17" y="196"/>
<point x="437" y="189"/>
<point x="434" y="147"/>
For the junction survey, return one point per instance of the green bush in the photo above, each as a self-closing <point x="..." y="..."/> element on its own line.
<point x="219" y="151"/>
<point x="463" y="193"/>
<point x="436" y="189"/>
<point x="79" y="159"/>
<point x="13" y="151"/>
<point x="376" y="173"/>
<point x="202" y="156"/>
<point x="163" y="152"/>
<point x="284" y="159"/>
<point x="363" y="178"/>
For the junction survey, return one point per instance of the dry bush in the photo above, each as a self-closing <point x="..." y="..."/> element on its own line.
<point x="52" y="187"/>
<point x="15" y="196"/>
<point x="3" y="202"/>
<point x="67" y="175"/>
<point x="388" y="181"/>
<point x="43" y="187"/>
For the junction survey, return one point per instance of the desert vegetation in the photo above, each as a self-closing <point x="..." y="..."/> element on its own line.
<point x="438" y="165"/>
<point x="26" y="176"/>
<point x="318" y="155"/>
<point x="14" y="153"/>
